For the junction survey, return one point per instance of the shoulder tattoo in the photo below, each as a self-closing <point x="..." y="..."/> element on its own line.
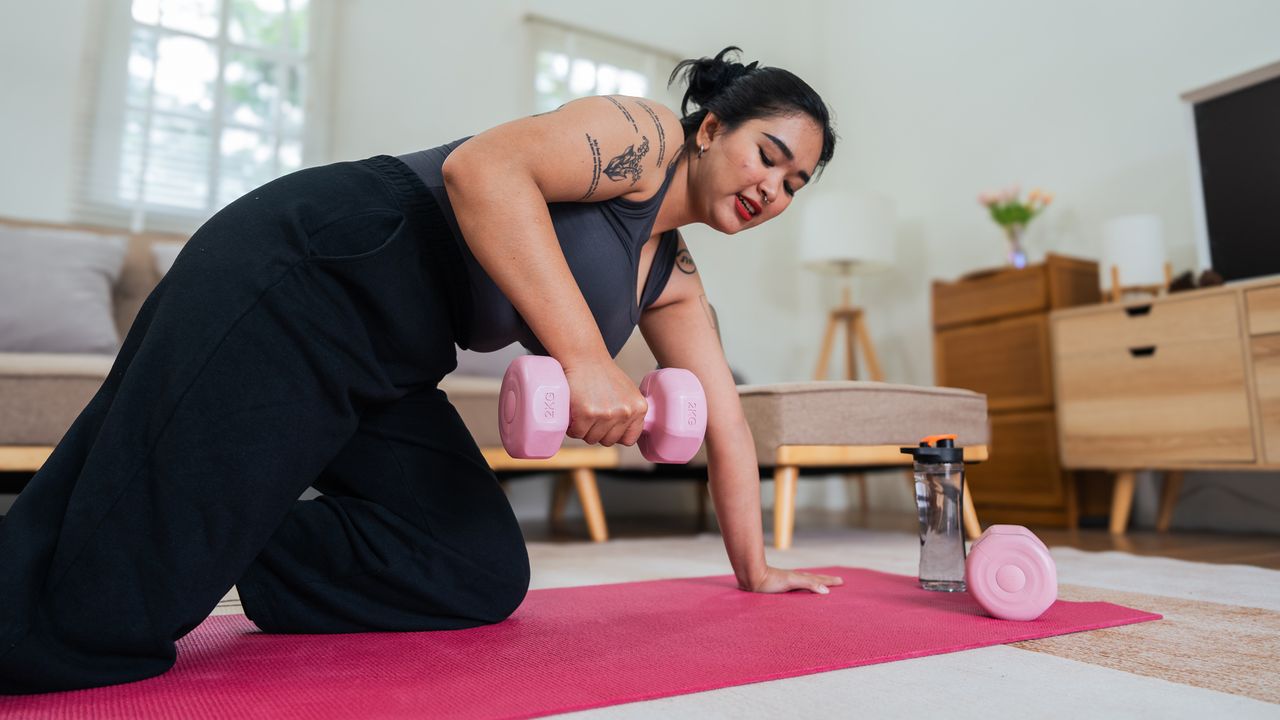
<point x="595" y="170"/>
<point x="711" y="313"/>
<point x="624" y="112"/>
<point x="662" y="136"/>
<point x="627" y="165"/>
<point x="684" y="261"/>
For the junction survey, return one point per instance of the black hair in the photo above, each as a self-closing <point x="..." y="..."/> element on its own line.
<point x="737" y="93"/>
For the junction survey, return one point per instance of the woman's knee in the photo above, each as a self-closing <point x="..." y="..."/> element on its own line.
<point x="508" y="593"/>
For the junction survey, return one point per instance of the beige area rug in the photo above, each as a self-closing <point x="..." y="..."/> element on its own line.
<point x="1216" y="653"/>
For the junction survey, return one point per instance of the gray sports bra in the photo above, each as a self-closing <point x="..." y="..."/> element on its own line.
<point x="601" y="242"/>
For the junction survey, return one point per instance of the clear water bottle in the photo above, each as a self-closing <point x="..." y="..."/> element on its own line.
<point x="939" y="472"/>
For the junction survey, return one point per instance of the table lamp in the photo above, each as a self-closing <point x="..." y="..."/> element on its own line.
<point x="843" y="233"/>
<point x="1133" y="249"/>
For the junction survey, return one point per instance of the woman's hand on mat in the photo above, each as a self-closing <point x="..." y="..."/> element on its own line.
<point x="777" y="580"/>
<point x="605" y="407"/>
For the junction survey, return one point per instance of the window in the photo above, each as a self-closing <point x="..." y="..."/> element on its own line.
<point x="570" y="63"/>
<point x="199" y="101"/>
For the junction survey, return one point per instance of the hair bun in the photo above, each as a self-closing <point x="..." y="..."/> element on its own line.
<point x="708" y="77"/>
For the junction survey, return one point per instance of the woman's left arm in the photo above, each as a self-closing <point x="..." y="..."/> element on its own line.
<point x="680" y="328"/>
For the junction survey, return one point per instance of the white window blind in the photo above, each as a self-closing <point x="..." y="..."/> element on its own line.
<point x="194" y="103"/>
<point x="571" y="62"/>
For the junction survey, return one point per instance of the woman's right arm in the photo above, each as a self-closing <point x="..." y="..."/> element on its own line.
<point x="499" y="183"/>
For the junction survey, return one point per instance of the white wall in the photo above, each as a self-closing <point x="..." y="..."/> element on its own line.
<point x="41" y="59"/>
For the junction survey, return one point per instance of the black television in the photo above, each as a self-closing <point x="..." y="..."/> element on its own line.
<point x="1236" y="123"/>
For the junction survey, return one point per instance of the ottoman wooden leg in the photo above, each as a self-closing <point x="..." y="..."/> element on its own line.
<point x="589" y="495"/>
<point x="561" y="483"/>
<point x="972" y="527"/>
<point x="864" y="498"/>
<point x="785" y="478"/>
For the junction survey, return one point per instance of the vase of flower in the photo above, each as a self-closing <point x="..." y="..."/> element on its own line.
<point x="1017" y="256"/>
<point x="1013" y="214"/>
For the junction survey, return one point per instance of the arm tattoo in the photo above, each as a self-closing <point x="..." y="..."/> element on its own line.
<point x="684" y="261"/>
<point x="662" y="136"/>
<point x="595" y="171"/>
<point x="711" y="316"/>
<point x="625" y="114"/>
<point x="627" y="165"/>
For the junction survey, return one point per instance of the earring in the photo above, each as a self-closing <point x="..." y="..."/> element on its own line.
<point x="701" y="149"/>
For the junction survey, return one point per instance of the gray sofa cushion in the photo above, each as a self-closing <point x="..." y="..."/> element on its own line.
<point x="56" y="290"/>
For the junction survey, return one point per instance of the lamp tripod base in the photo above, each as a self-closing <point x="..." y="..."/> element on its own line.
<point x="855" y="330"/>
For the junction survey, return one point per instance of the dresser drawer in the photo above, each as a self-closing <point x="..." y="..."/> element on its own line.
<point x="985" y="297"/>
<point x="1058" y="282"/>
<point x="1171" y="403"/>
<point x="1008" y="360"/>
<point x="1023" y="468"/>
<point x="1165" y="322"/>
<point x="1266" y="373"/>
<point x="1264" y="310"/>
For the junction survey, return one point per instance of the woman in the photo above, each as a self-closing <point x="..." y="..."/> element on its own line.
<point x="298" y="342"/>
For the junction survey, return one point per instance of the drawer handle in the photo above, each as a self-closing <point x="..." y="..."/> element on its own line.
<point x="1146" y="351"/>
<point x="1137" y="310"/>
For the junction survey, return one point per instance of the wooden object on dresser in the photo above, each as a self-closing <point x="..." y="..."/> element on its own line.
<point x="991" y="334"/>
<point x="1187" y="381"/>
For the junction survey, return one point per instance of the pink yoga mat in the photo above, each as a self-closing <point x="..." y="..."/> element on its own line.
<point x="565" y="649"/>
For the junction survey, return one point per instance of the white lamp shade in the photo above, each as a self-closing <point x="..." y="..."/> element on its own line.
<point x="1135" y="245"/>
<point x="846" y="231"/>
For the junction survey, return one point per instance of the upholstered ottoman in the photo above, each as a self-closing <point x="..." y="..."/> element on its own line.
<point x="846" y="426"/>
<point x="851" y="425"/>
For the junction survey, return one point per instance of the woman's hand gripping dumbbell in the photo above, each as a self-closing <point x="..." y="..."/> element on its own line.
<point x="534" y="414"/>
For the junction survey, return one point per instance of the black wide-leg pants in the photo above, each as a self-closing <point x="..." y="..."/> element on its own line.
<point x="297" y="341"/>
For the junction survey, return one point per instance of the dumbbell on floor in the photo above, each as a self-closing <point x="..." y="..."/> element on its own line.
<point x="1010" y="573"/>
<point x="533" y="411"/>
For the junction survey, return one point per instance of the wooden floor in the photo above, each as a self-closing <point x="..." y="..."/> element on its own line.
<point x="1211" y="547"/>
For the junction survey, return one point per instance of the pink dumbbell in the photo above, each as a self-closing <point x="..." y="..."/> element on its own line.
<point x="533" y="411"/>
<point x="1010" y="573"/>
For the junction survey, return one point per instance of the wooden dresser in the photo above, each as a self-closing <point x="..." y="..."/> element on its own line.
<point x="1189" y="380"/>
<point x="991" y="334"/>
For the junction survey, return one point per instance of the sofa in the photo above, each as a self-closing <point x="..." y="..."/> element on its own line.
<point x="798" y="428"/>
<point x="58" y="338"/>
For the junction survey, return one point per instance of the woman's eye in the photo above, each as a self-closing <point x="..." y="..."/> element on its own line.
<point x="765" y="158"/>
<point x="787" y="187"/>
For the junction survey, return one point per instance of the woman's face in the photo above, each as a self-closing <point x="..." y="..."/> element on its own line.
<point x="750" y="174"/>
